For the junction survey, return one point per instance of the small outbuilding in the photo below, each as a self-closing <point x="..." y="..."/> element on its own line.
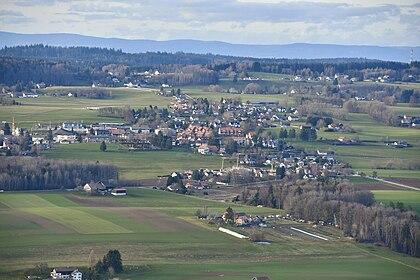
<point x="261" y="278"/>
<point x="119" y="191"/>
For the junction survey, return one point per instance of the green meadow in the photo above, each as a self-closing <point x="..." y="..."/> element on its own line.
<point x="159" y="238"/>
<point x="408" y="197"/>
<point x="137" y="164"/>
<point x="46" y="109"/>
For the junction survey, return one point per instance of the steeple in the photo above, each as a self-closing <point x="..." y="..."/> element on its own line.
<point x="13" y="124"/>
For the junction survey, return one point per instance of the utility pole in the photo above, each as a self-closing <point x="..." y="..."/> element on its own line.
<point x="411" y="55"/>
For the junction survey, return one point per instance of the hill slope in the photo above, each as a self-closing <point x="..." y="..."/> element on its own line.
<point x="298" y="50"/>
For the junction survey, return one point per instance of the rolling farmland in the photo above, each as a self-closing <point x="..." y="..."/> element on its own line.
<point x="159" y="237"/>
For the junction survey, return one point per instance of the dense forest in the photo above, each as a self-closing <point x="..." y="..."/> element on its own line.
<point x="37" y="173"/>
<point x="83" y="65"/>
<point x="106" y="56"/>
<point x="340" y="204"/>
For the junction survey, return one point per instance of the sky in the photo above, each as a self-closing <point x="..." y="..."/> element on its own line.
<point x="367" y="22"/>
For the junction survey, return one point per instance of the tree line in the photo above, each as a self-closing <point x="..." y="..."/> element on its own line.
<point x="30" y="173"/>
<point x="83" y="65"/>
<point x="377" y="110"/>
<point x="338" y="203"/>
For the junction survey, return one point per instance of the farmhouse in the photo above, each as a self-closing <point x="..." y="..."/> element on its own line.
<point x="95" y="188"/>
<point x="66" y="273"/>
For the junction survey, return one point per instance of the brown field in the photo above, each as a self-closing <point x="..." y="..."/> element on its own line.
<point x="412" y="182"/>
<point x="93" y="201"/>
<point x="379" y="186"/>
<point x="42" y="222"/>
<point x="157" y="220"/>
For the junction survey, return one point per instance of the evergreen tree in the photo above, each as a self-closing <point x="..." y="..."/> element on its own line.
<point x="229" y="215"/>
<point x="283" y="133"/>
<point x="103" y="146"/>
<point x="292" y="133"/>
<point x="280" y="172"/>
<point x="6" y="129"/>
<point x="113" y="260"/>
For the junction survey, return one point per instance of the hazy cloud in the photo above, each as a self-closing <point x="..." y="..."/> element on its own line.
<point x="13" y="17"/>
<point x="246" y="21"/>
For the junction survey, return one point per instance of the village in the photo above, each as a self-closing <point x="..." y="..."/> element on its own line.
<point x="239" y="132"/>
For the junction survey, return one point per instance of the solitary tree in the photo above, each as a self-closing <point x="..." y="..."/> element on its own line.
<point x="113" y="260"/>
<point x="229" y="215"/>
<point x="280" y="172"/>
<point x="283" y="133"/>
<point x="292" y="133"/>
<point x="6" y="129"/>
<point x="103" y="146"/>
<point x="50" y="136"/>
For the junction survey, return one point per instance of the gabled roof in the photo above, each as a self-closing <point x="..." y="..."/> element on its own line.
<point x="62" y="131"/>
<point x="64" y="270"/>
<point x="96" y="185"/>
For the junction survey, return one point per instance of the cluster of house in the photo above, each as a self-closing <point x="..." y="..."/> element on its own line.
<point x="398" y="144"/>
<point x="23" y="95"/>
<point x="242" y="219"/>
<point x="191" y="125"/>
<point x="239" y="219"/>
<point x="262" y="167"/>
<point x="229" y="119"/>
<point x="409" y="121"/>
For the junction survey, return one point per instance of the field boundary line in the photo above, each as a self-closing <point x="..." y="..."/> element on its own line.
<point x="388" y="259"/>
<point x="233" y="233"/>
<point x="395" y="184"/>
<point x="308" y="233"/>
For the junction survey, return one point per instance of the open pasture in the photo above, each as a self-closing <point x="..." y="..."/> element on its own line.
<point x="405" y="109"/>
<point x="409" y="198"/>
<point x="58" y="109"/>
<point x="160" y="231"/>
<point x="203" y="92"/>
<point x="137" y="164"/>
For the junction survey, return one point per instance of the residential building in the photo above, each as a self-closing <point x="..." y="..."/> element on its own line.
<point x="61" y="273"/>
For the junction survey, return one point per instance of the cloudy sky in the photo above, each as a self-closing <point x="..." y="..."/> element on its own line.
<point x="378" y="22"/>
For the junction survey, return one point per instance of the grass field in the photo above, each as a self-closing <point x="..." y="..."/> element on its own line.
<point x="202" y="92"/>
<point x="58" y="109"/>
<point x="158" y="229"/>
<point x="404" y="109"/>
<point x="409" y="198"/>
<point x="137" y="165"/>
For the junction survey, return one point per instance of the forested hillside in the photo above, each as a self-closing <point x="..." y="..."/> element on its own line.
<point x="57" y="66"/>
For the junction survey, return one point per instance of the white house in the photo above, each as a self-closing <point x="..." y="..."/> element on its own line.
<point x="66" y="273"/>
<point x="94" y="187"/>
<point x="65" y="136"/>
<point x="203" y="149"/>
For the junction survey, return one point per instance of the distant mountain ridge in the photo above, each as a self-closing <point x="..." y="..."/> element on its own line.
<point x="295" y="50"/>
